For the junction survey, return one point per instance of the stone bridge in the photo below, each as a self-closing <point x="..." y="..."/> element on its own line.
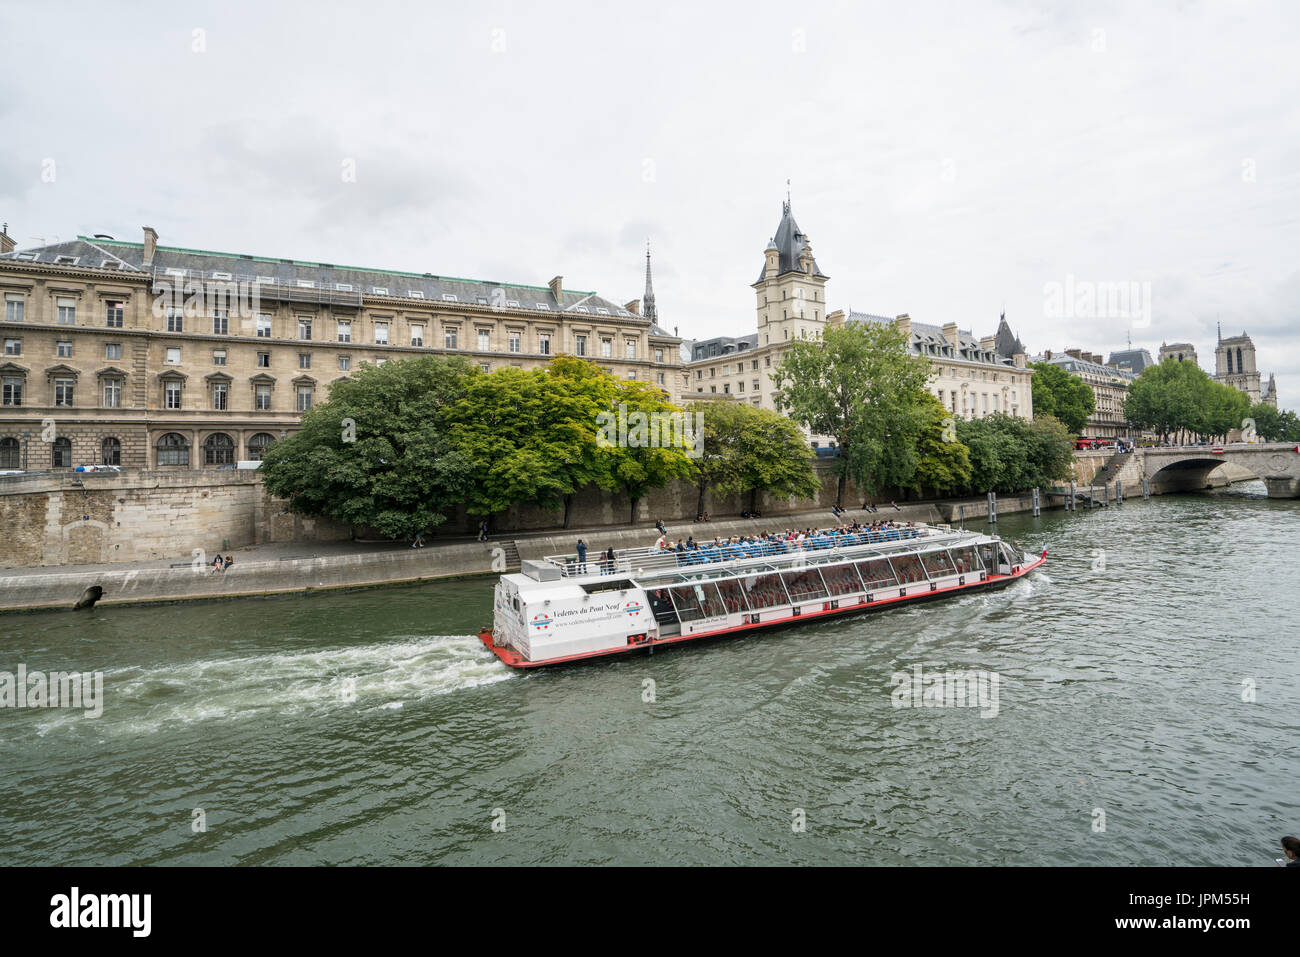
<point x="1186" y="468"/>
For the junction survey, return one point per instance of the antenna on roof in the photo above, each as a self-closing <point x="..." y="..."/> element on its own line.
<point x="787" y="192"/>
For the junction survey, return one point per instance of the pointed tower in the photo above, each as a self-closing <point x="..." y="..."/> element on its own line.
<point x="648" y="300"/>
<point x="791" y="289"/>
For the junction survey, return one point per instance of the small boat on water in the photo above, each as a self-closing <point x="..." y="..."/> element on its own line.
<point x="561" y="609"/>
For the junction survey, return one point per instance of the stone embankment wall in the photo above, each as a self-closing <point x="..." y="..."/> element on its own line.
<point x="62" y="589"/>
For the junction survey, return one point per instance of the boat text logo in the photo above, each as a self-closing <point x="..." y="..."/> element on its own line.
<point x="541" y="621"/>
<point x="946" y="689"/>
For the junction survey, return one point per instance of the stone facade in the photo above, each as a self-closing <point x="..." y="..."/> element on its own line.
<point x="973" y="377"/>
<point x="1234" y="365"/>
<point x="149" y="356"/>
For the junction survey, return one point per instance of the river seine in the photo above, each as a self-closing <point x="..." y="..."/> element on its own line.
<point x="1148" y="712"/>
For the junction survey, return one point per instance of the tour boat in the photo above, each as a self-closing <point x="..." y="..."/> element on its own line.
<point x="561" y="610"/>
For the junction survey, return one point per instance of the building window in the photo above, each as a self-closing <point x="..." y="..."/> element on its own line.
<point x="484" y="341"/>
<point x="659" y="355"/>
<point x="264" y="360"/>
<point x="580" y="345"/>
<point x="13" y="347"/>
<point x="484" y="366"/>
<point x="112" y="393"/>
<point x="345" y="363"/>
<point x="61" y="453"/>
<point x="12" y="393"/>
<point x="258" y="445"/>
<point x="606" y="347"/>
<point x="220" y="395"/>
<point x="172" y="394"/>
<point x="417" y="337"/>
<point x="174" y="357"/>
<point x="175" y="320"/>
<point x="304" y="360"/>
<point x="113" y="314"/>
<point x="381" y="333"/>
<point x="263" y="326"/>
<point x="112" y="350"/>
<point x="262" y="398"/>
<point x="10" y="453"/>
<point x="515" y="341"/>
<point x="630" y="348"/>
<point x="304" y="398"/>
<point x="67" y="311"/>
<point x="63" y="391"/>
<point x="740" y="386"/>
<point x="218" y="357"/>
<point x="345" y="330"/>
<point x="14" y="307"/>
<point x="659" y="378"/>
<point x="63" y="349"/>
<point x="304" y="329"/>
<point x="220" y="322"/>
<point x="110" y="451"/>
<point x="218" y="449"/>
<point x="544" y="343"/>
<point x="172" y="449"/>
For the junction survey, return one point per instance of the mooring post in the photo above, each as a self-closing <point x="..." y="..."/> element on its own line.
<point x="1070" y="503"/>
<point x="1035" y="503"/>
<point x="1119" y="492"/>
<point x="1146" y="487"/>
<point x="993" y="506"/>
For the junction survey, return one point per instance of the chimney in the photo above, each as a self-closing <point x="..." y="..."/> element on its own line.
<point x="904" y="324"/>
<point x="835" y="318"/>
<point x="950" y="334"/>
<point x="557" y="289"/>
<point x="633" y="307"/>
<point x="1075" y="353"/>
<point x="989" y="343"/>
<point x="1047" y="355"/>
<point x="150" y="244"/>
<point x="6" y="241"/>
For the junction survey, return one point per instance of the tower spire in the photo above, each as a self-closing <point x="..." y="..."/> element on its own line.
<point x="648" y="300"/>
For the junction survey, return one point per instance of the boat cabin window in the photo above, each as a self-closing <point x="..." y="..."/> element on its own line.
<point x="804" y="585"/>
<point x="908" y="568"/>
<point x="876" y="573"/>
<point x="937" y="564"/>
<point x="841" y="579"/>
<point x="595" y="588"/>
<point x="966" y="559"/>
<point x="697" y="601"/>
<point x="764" y="591"/>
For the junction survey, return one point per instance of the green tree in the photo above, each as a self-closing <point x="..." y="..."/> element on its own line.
<point x="1064" y="396"/>
<point x="1010" y="454"/>
<point x="379" y="452"/>
<point x="945" y="464"/>
<point x="531" y="435"/>
<point x="1180" y="400"/>
<point x="747" y="450"/>
<point x="642" y="460"/>
<point x="859" y="385"/>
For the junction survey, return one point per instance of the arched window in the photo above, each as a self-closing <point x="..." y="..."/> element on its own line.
<point x="218" y="449"/>
<point x="1228" y="353"/>
<point x="1240" y="367"/>
<point x="258" y="445"/>
<point x="10" y="454"/>
<point x="61" y="453"/>
<point x="173" y="450"/>
<point x="112" y="451"/>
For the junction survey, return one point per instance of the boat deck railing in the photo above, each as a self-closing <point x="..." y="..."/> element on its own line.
<point x="645" y="559"/>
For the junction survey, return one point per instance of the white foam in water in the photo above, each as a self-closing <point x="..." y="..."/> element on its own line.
<point x="375" y="677"/>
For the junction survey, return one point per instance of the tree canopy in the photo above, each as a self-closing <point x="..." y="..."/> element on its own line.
<point x="1175" y="398"/>
<point x="860" y="386"/>
<point x="1066" y="397"/>
<point x="747" y="450"/>
<point x="1009" y="454"/>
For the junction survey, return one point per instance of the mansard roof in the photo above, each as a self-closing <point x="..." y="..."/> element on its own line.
<point x="789" y="242"/>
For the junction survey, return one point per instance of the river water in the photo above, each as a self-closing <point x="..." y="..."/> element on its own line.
<point x="371" y="728"/>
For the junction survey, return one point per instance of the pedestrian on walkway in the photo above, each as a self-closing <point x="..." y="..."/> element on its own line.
<point x="482" y="531"/>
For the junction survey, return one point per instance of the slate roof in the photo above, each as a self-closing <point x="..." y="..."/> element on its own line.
<point x="1071" y="364"/>
<point x="1131" y="360"/>
<point x="721" y="346"/>
<point x="927" y="340"/>
<point x="789" y="241"/>
<point x="127" y="257"/>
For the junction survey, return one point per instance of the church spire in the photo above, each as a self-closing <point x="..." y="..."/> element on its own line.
<point x="648" y="300"/>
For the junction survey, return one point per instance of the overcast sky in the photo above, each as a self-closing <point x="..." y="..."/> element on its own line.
<point x="947" y="160"/>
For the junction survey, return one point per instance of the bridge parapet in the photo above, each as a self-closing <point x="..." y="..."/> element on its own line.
<point x="1277" y="463"/>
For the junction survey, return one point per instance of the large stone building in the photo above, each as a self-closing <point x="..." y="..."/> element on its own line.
<point x="1178" y="351"/>
<point x="1109" y="383"/>
<point x="143" y="355"/>
<point x="1234" y="365"/>
<point x="973" y="377"/>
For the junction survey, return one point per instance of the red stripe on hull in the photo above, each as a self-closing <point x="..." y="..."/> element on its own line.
<point x="515" y="660"/>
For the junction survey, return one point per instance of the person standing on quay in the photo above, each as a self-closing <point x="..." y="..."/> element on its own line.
<point x="582" y="557"/>
<point x="482" y="530"/>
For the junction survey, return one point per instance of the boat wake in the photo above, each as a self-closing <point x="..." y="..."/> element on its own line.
<point x="384" y="676"/>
